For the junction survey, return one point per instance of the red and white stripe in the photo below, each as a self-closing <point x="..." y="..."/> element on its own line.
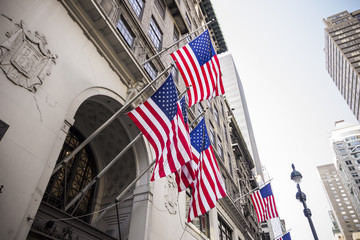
<point x="205" y="80"/>
<point x="208" y="186"/>
<point x="265" y="208"/>
<point x="187" y="173"/>
<point x="168" y="138"/>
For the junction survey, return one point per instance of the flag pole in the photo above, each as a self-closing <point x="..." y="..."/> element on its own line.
<point x="104" y="125"/>
<point x="255" y="189"/>
<point x="167" y="48"/>
<point x="123" y="192"/>
<point x="117" y="200"/>
<point x="282" y="234"/>
<point x="102" y="172"/>
<point x="201" y="115"/>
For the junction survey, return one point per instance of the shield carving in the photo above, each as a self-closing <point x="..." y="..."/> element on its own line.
<point x="24" y="58"/>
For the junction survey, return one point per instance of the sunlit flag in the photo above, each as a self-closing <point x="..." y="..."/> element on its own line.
<point x="199" y="67"/>
<point x="264" y="203"/>
<point x="160" y="120"/>
<point x="208" y="185"/>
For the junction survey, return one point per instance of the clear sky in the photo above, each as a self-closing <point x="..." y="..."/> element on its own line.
<point x="278" y="50"/>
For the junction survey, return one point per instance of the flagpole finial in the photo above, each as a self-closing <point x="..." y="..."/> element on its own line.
<point x="293" y="166"/>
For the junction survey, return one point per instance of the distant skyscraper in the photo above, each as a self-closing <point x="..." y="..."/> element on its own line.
<point x="343" y="209"/>
<point x="236" y="97"/>
<point x="342" y="52"/>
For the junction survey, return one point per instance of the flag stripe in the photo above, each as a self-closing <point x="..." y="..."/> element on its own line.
<point x="200" y="69"/>
<point x="265" y="207"/>
<point x="165" y="131"/>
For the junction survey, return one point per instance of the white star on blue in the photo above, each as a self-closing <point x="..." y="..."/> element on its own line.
<point x="166" y="98"/>
<point x="183" y="109"/>
<point x="203" y="48"/>
<point x="199" y="137"/>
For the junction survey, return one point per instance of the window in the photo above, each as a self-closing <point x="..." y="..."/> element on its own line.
<point x="151" y="70"/>
<point x="352" y="168"/>
<point x="174" y="73"/>
<point x="188" y="20"/>
<point x="176" y="34"/>
<point x="125" y="31"/>
<point x="216" y="115"/>
<point x="201" y="222"/>
<point x="209" y="105"/>
<point x="348" y="162"/>
<point x="354" y="174"/>
<point x="225" y="232"/>
<point x="220" y="149"/>
<point x="80" y="170"/>
<point x="200" y="109"/>
<point x="138" y="6"/>
<point x="155" y="34"/>
<point x="211" y="130"/>
<point x="230" y="165"/>
<point x="160" y="5"/>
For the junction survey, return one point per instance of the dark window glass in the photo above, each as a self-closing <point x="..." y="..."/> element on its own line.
<point x="160" y="5"/>
<point x="225" y="232"/>
<point x="176" y="35"/>
<point x="151" y="70"/>
<point x="137" y="5"/>
<point x="155" y="34"/>
<point x="125" y="31"/>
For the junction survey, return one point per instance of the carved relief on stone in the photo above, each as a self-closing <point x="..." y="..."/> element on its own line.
<point x="24" y="58"/>
<point x="171" y="194"/>
<point x="132" y="91"/>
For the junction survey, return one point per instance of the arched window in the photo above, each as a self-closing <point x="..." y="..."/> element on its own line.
<point x="65" y="184"/>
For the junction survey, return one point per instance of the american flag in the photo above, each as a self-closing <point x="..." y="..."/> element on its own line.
<point x="160" y="120"/>
<point x="200" y="68"/>
<point x="208" y="185"/>
<point x="186" y="174"/>
<point x="285" y="237"/>
<point x="264" y="203"/>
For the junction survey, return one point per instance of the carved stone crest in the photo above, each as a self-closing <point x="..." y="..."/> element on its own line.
<point x="171" y="194"/>
<point x="24" y="58"/>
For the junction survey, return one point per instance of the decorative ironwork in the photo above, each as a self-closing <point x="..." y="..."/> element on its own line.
<point x="68" y="182"/>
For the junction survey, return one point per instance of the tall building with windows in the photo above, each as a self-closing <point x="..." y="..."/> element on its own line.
<point x="66" y="67"/>
<point x="236" y="97"/>
<point x="342" y="55"/>
<point x="346" y="144"/>
<point x="344" y="217"/>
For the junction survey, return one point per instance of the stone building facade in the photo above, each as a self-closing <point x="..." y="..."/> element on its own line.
<point x="66" y="67"/>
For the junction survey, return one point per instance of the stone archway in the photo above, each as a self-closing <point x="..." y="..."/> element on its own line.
<point x="91" y="114"/>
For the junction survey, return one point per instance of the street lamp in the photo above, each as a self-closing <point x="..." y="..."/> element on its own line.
<point x="296" y="177"/>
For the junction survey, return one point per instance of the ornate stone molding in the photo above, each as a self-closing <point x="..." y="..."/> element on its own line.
<point x="171" y="195"/>
<point x="24" y="58"/>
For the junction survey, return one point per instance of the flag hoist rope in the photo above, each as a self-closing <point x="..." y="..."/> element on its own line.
<point x="112" y="118"/>
<point x="81" y="194"/>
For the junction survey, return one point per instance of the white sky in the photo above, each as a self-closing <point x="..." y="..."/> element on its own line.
<point x="278" y="50"/>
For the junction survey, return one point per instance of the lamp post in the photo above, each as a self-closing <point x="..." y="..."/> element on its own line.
<point x="296" y="177"/>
